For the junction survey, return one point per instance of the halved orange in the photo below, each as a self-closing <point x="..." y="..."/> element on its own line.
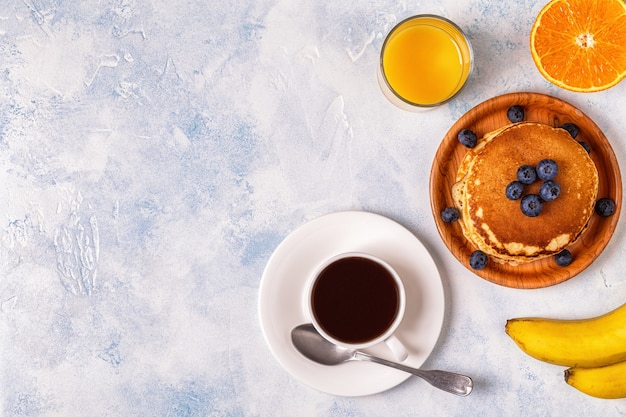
<point x="580" y="45"/>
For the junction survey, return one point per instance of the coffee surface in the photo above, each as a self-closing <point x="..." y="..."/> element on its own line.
<point x="355" y="299"/>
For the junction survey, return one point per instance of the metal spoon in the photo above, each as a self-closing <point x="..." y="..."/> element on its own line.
<point x="312" y="345"/>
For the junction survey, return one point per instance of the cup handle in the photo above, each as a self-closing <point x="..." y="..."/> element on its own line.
<point x="397" y="348"/>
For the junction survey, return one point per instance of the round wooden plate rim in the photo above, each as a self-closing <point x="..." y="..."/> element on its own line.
<point x="490" y="115"/>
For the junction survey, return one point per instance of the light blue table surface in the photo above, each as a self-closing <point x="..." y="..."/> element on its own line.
<point x="155" y="153"/>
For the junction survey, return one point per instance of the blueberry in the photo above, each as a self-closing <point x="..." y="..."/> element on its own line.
<point x="549" y="190"/>
<point x="526" y="174"/>
<point x="563" y="258"/>
<point x="547" y="169"/>
<point x="514" y="190"/>
<point x="531" y="205"/>
<point x="515" y="114"/>
<point x="467" y="138"/>
<point x="585" y="145"/>
<point x="605" y="207"/>
<point x="478" y="260"/>
<point x="450" y="214"/>
<point x="571" y="128"/>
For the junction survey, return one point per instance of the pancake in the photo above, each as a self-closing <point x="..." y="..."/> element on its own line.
<point x="495" y="224"/>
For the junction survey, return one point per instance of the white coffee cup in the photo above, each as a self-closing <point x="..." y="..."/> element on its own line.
<point x="357" y="300"/>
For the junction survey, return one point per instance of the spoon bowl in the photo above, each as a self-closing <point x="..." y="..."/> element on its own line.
<point x="313" y="346"/>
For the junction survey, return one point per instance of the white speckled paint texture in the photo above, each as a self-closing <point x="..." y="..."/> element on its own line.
<point x="154" y="154"/>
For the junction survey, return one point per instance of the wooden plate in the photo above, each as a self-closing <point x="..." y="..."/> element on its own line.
<point x="491" y="115"/>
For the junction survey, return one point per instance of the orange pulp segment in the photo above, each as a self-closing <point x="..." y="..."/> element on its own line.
<point x="580" y="45"/>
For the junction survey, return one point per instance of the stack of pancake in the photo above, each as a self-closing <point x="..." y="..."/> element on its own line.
<point x="497" y="225"/>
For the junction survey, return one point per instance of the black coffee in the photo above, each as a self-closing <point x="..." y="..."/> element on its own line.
<point x="355" y="299"/>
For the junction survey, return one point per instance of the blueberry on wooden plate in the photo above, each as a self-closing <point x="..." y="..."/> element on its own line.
<point x="515" y="114"/>
<point x="605" y="207"/>
<point x="478" y="260"/>
<point x="571" y="128"/>
<point x="467" y="138"/>
<point x="450" y="214"/>
<point x="563" y="258"/>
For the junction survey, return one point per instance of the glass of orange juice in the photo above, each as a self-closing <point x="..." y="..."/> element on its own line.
<point x="424" y="62"/>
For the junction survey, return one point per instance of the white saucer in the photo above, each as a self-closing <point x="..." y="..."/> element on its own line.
<point x="282" y="287"/>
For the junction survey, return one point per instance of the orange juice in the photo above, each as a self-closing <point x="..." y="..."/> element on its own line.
<point x="425" y="60"/>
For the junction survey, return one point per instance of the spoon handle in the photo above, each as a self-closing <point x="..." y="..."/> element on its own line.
<point x="448" y="381"/>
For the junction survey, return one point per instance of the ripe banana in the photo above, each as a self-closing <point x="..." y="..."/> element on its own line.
<point x="588" y="343"/>
<point x="603" y="382"/>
